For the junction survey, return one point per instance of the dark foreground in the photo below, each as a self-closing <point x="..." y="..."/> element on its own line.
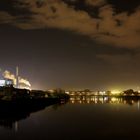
<point x="80" y="119"/>
<point x="16" y="110"/>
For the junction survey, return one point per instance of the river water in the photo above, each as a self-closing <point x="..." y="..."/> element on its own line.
<point x="79" y="119"/>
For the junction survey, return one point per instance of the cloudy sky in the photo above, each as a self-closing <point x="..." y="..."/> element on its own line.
<point x="73" y="44"/>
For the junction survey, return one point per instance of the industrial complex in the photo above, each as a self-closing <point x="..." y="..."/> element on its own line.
<point x="15" y="80"/>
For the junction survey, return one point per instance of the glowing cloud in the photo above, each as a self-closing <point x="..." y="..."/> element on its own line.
<point x="9" y="75"/>
<point x="24" y="81"/>
<point x="108" y="27"/>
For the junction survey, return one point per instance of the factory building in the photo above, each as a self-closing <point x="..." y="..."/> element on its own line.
<point x="6" y="82"/>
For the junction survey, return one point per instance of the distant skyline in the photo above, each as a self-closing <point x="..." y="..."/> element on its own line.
<point x="72" y="44"/>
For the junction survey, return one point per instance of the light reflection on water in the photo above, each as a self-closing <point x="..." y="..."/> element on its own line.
<point x="80" y="119"/>
<point x="104" y="100"/>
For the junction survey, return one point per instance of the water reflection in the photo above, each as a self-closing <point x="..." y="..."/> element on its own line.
<point x="12" y="113"/>
<point x="104" y="100"/>
<point x="87" y="117"/>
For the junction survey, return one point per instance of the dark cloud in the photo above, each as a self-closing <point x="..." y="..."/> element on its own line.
<point x="125" y="5"/>
<point x="84" y="5"/>
<point x="12" y="7"/>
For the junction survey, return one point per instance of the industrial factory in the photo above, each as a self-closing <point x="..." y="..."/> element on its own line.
<point x="15" y="80"/>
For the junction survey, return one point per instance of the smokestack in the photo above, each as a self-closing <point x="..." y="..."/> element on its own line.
<point x="17" y="77"/>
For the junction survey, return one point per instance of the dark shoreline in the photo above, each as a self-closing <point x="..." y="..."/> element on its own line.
<point x="16" y="110"/>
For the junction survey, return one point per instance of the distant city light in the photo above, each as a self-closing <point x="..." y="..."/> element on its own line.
<point x="67" y="92"/>
<point x="102" y="92"/>
<point x="115" y="92"/>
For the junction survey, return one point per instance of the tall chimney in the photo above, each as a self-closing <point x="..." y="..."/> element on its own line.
<point x="17" y="77"/>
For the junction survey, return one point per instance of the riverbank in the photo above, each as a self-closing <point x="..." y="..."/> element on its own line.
<point x="15" y="94"/>
<point x="15" y="101"/>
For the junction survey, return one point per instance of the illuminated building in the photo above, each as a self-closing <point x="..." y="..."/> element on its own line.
<point x="6" y="82"/>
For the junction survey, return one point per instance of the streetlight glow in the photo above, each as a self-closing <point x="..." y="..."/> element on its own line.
<point x="115" y="92"/>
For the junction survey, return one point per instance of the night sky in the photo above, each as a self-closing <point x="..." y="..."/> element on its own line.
<point x="72" y="44"/>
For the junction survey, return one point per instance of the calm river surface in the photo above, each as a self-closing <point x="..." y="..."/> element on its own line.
<point x="79" y="119"/>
